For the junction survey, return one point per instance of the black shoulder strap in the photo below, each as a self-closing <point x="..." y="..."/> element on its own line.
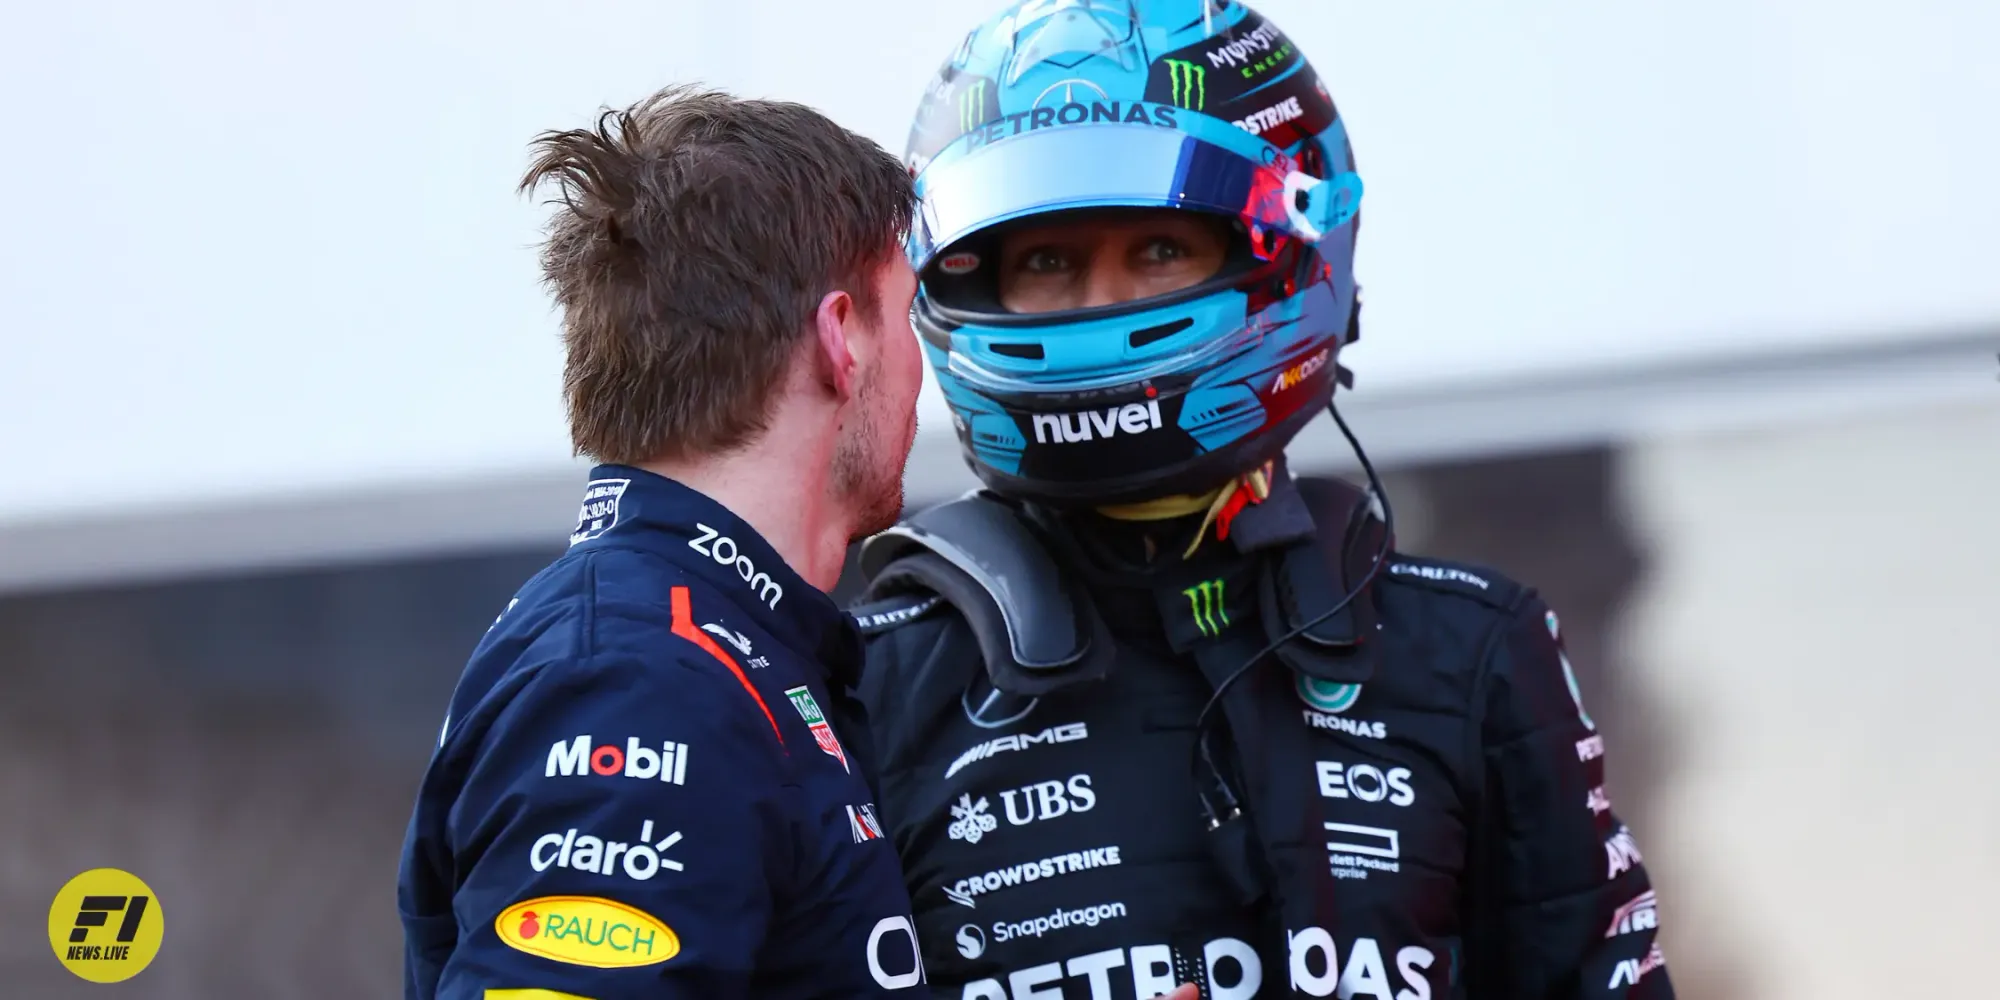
<point x="1036" y="631"/>
<point x="1307" y="579"/>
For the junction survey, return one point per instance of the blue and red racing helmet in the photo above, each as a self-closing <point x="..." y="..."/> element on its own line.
<point x="1061" y="106"/>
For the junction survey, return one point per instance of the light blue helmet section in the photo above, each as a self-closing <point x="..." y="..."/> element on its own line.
<point x="1193" y="105"/>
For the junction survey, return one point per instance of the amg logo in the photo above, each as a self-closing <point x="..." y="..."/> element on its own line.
<point x="1055" y="734"/>
<point x="1132" y="418"/>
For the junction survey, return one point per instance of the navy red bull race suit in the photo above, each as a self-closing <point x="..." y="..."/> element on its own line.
<point x="1415" y="805"/>
<point x="642" y="789"/>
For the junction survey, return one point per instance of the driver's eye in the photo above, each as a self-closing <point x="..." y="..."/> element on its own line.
<point x="1160" y="249"/>
<point x="1044" y="260"/>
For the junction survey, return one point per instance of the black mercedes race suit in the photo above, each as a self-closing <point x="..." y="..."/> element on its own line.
<point x="1423" y="811"/>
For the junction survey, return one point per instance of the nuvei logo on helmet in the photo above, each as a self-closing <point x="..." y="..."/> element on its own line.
<point x="1132" y="418"/>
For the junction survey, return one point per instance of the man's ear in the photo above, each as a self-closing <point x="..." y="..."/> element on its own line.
<point x="833" y="358"/>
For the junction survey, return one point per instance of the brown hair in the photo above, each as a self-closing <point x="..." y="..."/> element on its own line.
<point x="693" y="240"/>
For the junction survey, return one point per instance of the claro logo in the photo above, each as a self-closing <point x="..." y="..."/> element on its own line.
<point x="1090" y="425"/>
<point x="722" y="548"/>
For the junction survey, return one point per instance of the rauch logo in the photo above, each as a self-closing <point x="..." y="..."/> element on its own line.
<point x="587" y="930"/>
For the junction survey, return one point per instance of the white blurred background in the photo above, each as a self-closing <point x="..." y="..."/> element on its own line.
<point x="1687" y="313"/>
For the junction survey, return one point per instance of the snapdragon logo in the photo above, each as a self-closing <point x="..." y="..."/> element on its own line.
<point x="723" y="550"/>
<point x="1089" y="916"/>
<point x="1067" y="733"/>
<point x="1092" y="425"/>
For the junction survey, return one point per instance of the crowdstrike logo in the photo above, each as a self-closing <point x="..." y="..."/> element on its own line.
<point x="574" y="757"/>
<point x="1067" y="733"/>
<point x="1132" y="418"/>
<point x="723" y="550"/>
<point x="964" y="890"/>
<point x="1260" y="122"/>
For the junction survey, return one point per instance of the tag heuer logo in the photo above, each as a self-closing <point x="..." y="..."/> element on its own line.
<point x="1326" y="696"/>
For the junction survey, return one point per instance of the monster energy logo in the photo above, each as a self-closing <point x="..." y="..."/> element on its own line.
<point x="972" y="106"/>
<point x="1190" y="83"/>
<point x="1207" y="605"/>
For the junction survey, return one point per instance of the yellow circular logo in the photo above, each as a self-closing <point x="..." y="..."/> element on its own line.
<point x="587" y="930"/>
<point x="105" y="925"/>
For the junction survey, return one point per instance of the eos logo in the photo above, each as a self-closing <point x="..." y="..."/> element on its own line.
<point x="722" y="549"/>
<point x="1365" y="782"/>
<point x="1132" y="418"/>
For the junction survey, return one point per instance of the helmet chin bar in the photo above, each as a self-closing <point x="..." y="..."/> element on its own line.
<point x="1317" y="207"/>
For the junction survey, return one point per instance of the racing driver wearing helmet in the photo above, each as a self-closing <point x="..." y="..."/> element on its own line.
<point x="1149" y="709"/>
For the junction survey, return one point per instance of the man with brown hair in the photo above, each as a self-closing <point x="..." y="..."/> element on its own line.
<point x="641" y="788"/>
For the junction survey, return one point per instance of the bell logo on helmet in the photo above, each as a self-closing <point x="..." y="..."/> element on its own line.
<point x="1190" y="84"/>
<point x="1132" y="418"/>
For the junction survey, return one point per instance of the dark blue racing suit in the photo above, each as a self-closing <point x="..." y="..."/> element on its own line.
<point x="642" y="790"/>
